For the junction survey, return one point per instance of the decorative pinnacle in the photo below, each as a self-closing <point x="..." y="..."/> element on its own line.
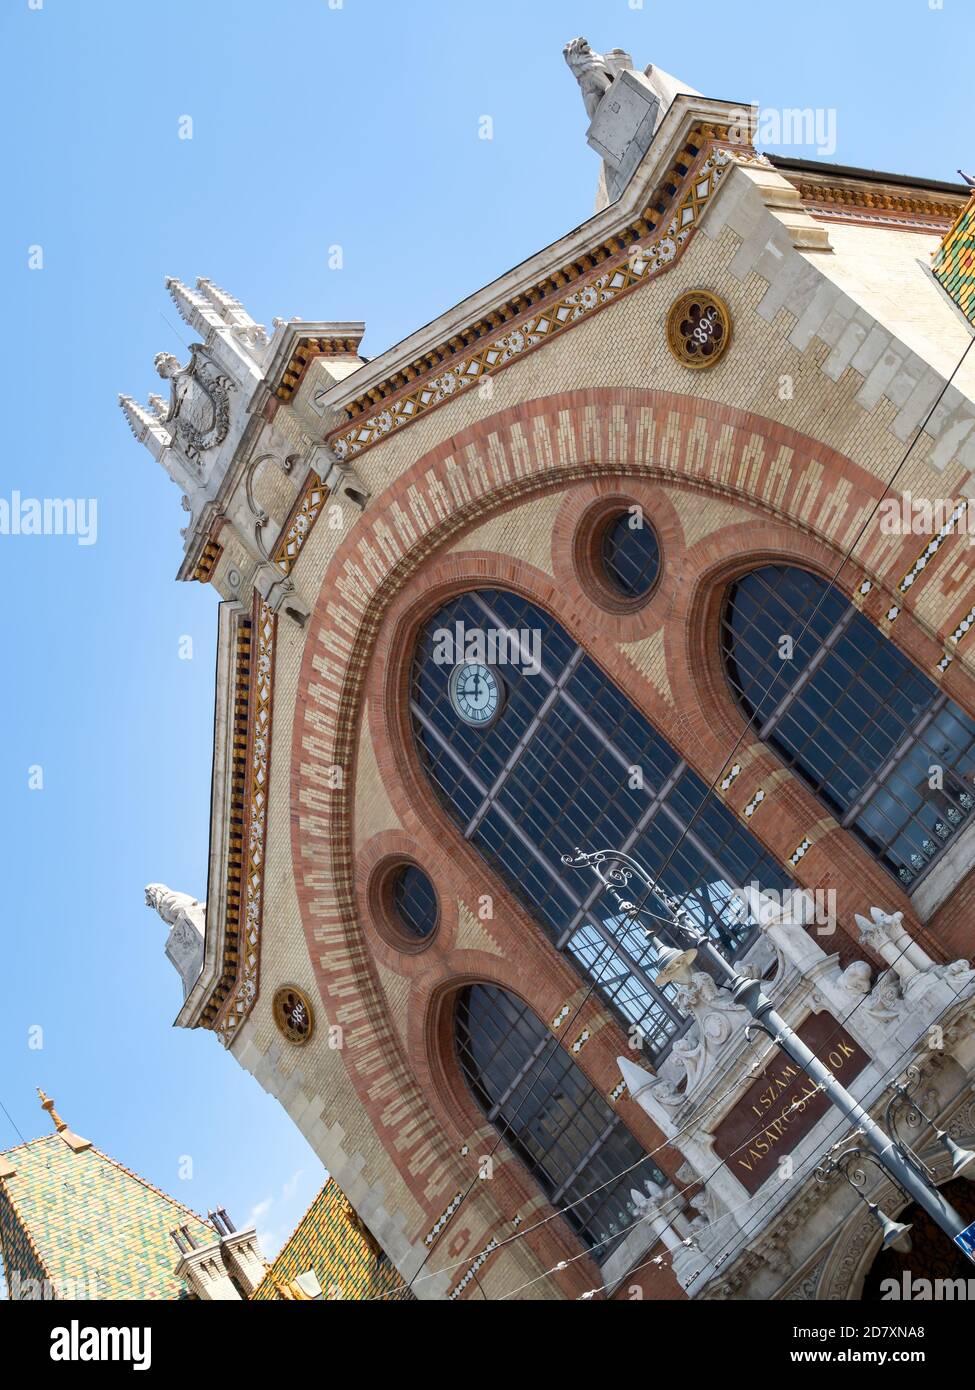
<point x="48" y="1104"/>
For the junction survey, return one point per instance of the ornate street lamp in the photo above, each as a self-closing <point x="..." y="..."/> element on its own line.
<point x="615" y="869"/>
<point x="961" y="1159"/>
<point x="896" y="1234"/>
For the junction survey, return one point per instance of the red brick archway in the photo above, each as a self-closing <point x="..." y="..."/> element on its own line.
<point x="650" y="437"/>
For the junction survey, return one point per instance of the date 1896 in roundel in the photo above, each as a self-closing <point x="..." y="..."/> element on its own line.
<point x="698" y="329"/>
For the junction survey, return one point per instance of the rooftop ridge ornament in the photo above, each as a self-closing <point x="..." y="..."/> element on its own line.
<point x="193" y="308"/>
<point x="48" y="1104"/>
<point x="74" y="1141"/>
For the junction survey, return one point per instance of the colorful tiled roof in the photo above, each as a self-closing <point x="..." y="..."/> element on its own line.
<point x="88" y="1225"/>
<point x="330" y="1240"/>
<point x="954" y="261"/>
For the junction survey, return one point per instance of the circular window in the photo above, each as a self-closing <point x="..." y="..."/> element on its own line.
<point x="617" y="555"/>
<point x="404" y="904"/>
<point x="630" y="554"/>
<point x="293" y="1014"/>
<point x="414" y="902"/>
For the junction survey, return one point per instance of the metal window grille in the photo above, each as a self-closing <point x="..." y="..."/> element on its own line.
<point x="890" y="755"/>
<point x="631" y="555"/>
<point x="570" y="762"/>
<point x="547" y="1111"/>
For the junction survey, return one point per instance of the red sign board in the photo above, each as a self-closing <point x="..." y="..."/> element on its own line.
<point x="783" y="1104"/>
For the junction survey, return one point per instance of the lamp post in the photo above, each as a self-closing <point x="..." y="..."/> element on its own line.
<point x="896" y="1233"/>
<point x="615" y="869"/>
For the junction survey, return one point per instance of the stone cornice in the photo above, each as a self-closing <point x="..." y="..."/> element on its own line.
<point x="332" y="340"/>
<point x="226" y="813"/>
<point x="646" y="205"/>
<point x="574" y="291"/>
<point x="226" y="991"/>
<point x="236" y="994"/>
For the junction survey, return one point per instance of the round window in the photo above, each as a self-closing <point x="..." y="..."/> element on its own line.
<point x="630" y="554"/>
<point x="414" y="902"/>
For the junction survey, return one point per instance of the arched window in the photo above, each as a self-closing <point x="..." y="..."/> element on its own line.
<point x="535" y="752"/>
<point x="547" y="1111"/>
<point x="890" y="755"/>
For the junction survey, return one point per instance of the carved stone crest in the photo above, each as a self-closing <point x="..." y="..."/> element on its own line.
<point x="199" y="404"/>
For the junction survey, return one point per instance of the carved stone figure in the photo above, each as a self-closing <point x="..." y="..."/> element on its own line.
<point x="186" y="916"/>
<point x="199" y="408"/>
<point x="591" y="70"/>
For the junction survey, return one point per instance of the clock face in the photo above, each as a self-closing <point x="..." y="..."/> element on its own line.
<point x="476" y="692"/>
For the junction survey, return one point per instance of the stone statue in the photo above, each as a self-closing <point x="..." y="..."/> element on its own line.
<point x="186" y="917"/>
<point x="592" y="71"/>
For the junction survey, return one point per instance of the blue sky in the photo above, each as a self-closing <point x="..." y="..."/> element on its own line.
<point x="315" y="124"/>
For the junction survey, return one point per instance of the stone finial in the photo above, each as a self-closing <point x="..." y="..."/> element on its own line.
<point x="146" y="426"/>
<point x="74" y="1141"/>
<point x="48" y="1104"/>
<point x="193" y="308"/>
<point x="249" y="334"/>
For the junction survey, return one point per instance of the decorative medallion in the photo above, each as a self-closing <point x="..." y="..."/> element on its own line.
<point x="698" y="329"/>
<point x="293" y="1014"/>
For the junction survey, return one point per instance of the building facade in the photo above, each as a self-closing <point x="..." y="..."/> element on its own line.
<point x="659" y="542"/>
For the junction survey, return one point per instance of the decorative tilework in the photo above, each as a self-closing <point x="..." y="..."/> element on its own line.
<point x="289" y="546"/>
<point x="90" y="1224"/>
<point x="933" y="546"/>
<point x="965" y="626"/>
<point x="732" y="773"/>
<point x="954" y="261"/>
<point x="799" y="851"/>
<point x="616" y="1092"/>
<point x="244" y="993"/>
<point x="441" y="1222"/>
<point x="482" y="1258"/>
<point x="345" y="1263"/>
<point x="755" y="802"/>
<point x="561" y="1016"/>
<point x="641" y="264"/>
<point x="581" y="1040"/>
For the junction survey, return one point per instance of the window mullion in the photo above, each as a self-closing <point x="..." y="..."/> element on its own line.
<point x="910" y="741"/>
<point x="522" y="744"/>
<point x="807" y="673"/>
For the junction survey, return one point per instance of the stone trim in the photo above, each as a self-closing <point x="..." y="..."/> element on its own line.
<point x="566" y="298"/>
<point x="248" y="898"/>
<point x="303" y="356"/>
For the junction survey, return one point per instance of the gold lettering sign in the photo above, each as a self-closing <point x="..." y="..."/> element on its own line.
<point x="783" y="1104"/>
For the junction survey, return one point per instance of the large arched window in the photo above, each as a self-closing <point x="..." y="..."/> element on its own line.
<point x="536" y="752"/>
<point x="547" y="1111"/>
<point x="890" y="755"/>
